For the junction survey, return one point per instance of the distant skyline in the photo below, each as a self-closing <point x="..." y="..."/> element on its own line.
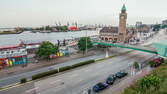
<point x="32" y="13"/>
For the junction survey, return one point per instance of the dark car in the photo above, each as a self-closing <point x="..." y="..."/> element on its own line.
<point x="121" y="74"/>
<point x="110" y="80"/>
<point x="99" y="87"/>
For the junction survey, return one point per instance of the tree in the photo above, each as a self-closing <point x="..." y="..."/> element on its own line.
<point x="136" y="65"/>
<point x="84" y="43"/>
<point x="46" y="49"/>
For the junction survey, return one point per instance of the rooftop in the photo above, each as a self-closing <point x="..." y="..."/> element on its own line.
<point x="109" y="30"/>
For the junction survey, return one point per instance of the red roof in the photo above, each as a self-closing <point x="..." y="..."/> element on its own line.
<point x="9" y="47"/>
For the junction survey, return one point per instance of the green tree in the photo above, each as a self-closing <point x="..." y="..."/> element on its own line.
<point x="46" y="49"/>
<point x="136" y="65"/>
<point x="48" y="28"/>
<point x="84" y="43"/>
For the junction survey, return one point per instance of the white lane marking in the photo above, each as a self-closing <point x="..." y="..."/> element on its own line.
<point x="73" y="75"/>
<point x="31" y="90"/>
<point x="88" y="70"/>
<point x="56" y="81"/>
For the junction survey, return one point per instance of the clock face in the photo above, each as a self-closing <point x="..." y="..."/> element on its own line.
<point x="122" y="17"/>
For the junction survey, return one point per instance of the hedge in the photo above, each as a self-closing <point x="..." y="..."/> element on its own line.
<point x="44" y="74"/>
<point x="23" y="80"/>
<point x="83" y="63"/>
<point x="48" y="73"/>
<point x="65" y="68"/>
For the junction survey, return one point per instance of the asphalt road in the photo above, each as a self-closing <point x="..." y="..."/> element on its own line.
<point x="16" y="78"/>
<point x="80" y="79"/>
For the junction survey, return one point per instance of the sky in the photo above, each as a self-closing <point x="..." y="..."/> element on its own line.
<point x="32" y="13"/>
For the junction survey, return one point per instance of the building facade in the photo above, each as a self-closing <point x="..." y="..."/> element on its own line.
<point x="117" y="34"/>
<point x="12" y="56"/>
<point x="164" y="22"/>
<point x="109" y="34"/>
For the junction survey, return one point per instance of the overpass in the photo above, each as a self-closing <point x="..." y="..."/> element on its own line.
<point x="159" y="48"/>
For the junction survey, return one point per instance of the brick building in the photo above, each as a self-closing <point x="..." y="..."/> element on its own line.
<point x="117" y="34"/>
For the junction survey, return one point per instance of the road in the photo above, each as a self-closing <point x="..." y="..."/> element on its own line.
<point x="16" y="78"/>
<point x="80" y="79"/>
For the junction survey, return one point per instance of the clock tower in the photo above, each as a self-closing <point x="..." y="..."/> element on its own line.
<point x="122" y="24"/>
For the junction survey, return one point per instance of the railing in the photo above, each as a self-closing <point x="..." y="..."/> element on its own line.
<point x="125" y="46"/>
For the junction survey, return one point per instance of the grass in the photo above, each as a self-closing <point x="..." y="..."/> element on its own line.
<point x="160" y="72"/>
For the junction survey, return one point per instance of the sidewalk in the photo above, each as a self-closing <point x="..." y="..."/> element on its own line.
<point x="42" y="63"/>
<point x="118" y="88"/>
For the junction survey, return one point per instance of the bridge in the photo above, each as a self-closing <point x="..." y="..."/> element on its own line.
<point x="159" y="48"/>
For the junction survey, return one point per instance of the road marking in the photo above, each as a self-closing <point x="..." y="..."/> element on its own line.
<point x="74" y="75"/>
<point x="88" y="70"/>
<point x="31" y="90"/>
<point x="56" y="81"/>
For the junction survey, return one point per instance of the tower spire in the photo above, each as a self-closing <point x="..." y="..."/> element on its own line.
<point x="123" y="8"/>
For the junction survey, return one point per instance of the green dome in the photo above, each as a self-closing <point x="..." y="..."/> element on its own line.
<point x="124" y="8"/>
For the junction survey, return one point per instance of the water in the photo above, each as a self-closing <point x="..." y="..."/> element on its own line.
<point x="14" y="39"/>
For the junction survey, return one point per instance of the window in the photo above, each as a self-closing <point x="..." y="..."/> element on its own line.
<point x="2" y="52"/>
<point x="7" y="52"/>
<point x="12" y="52"/>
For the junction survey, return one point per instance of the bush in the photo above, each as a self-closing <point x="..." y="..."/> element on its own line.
<point x="83" y="63"/>
<point x="23" y="80"/>
<point x="151" y="63"/>
<point x="65" y="68"/>
<point x="149" y="81"/>
<point x="44" y="74"/>
<point x="165" y="61"/>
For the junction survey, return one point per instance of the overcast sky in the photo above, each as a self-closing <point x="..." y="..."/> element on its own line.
<point x="47" y="12"/>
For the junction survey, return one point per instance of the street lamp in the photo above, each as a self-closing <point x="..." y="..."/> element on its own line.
<point x="86" y="42"/>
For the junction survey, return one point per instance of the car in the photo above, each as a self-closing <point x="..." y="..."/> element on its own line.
<point x="110" y="80"/>
<point x="156" y="62"/>
<point x="100" y="86"/>
<point x="121" y="74"/>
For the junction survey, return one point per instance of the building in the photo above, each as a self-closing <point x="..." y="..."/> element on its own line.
<point x="117" y="34"/>
<point x="122" y="24"/>
<point x="109" y="33"/>
<point x="7" y="29"/>
<point x="12" y="56"/>
<point x="164" y="22"/>
<point x="138" y="23"/>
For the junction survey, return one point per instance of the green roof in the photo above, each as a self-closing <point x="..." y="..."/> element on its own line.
<point x="124" y="8"/>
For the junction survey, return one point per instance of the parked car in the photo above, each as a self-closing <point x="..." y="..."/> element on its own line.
<point x="156" y="62"/>
<point x="121" y="74"/>
<point x="100" y="86"/>
<point x="111" y="78"/>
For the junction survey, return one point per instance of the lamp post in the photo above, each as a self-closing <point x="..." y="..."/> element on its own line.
<point x="86" y="43"/>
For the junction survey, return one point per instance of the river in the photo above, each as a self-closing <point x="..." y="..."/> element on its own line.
<point x="14" y="39"/>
